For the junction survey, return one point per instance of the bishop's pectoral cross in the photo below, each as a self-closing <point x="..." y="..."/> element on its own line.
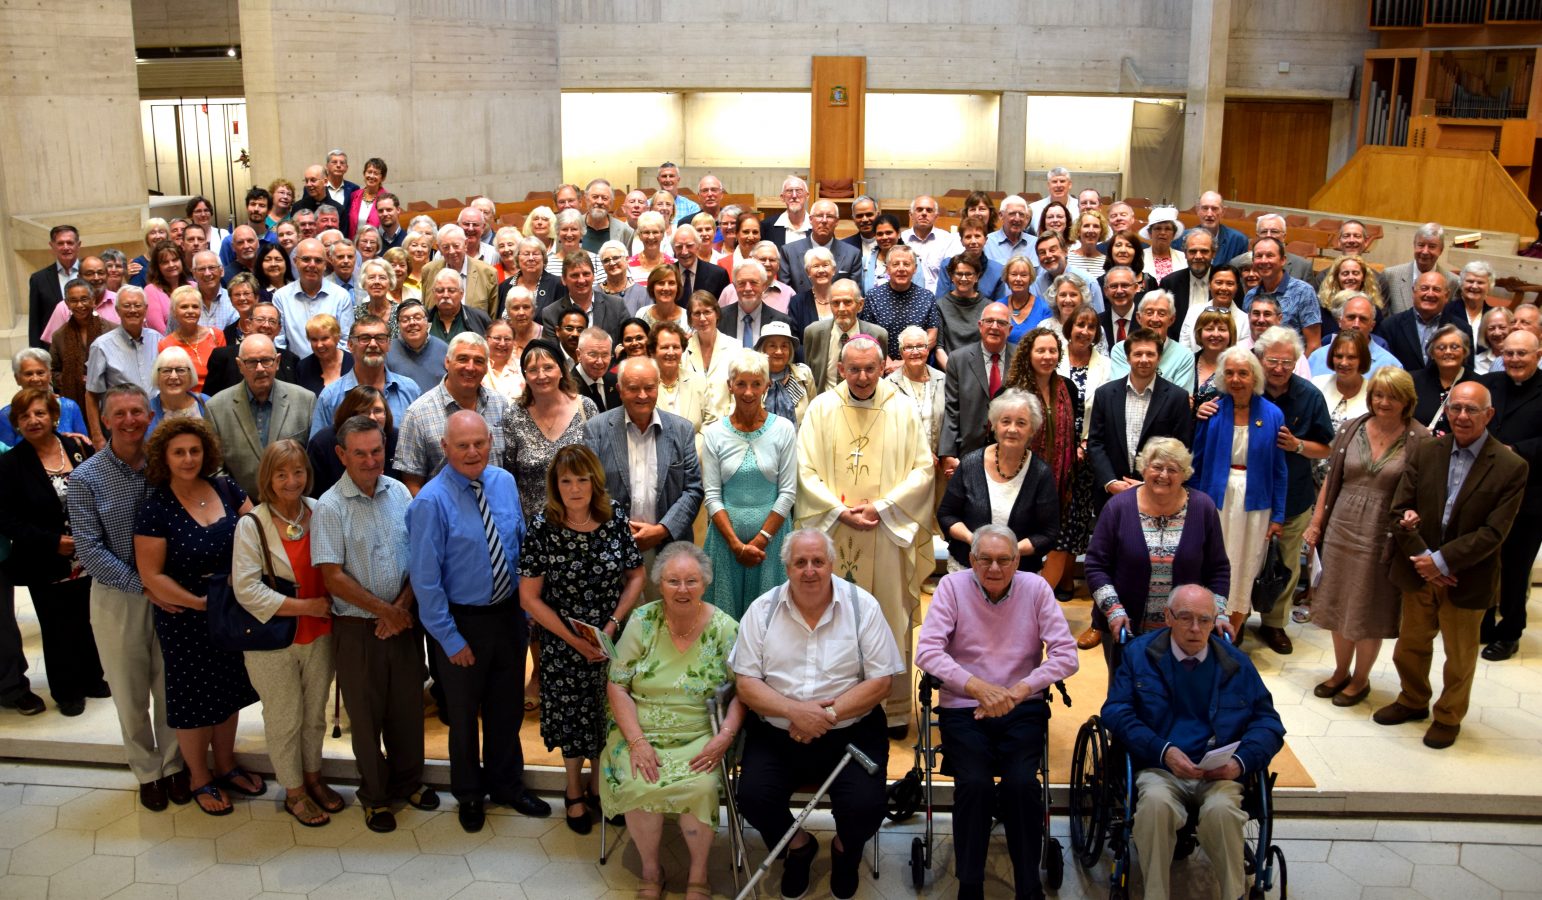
<point x="855" y="468"/>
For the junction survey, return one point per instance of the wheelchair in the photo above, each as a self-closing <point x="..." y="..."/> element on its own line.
<point x="914" y="792"/>
<point x="1103" y="798"/>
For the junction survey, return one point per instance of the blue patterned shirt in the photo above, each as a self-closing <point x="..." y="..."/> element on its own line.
<point x="367" y="536"/>
<point x="105" y="497"/>
<point x="896" y="311"/>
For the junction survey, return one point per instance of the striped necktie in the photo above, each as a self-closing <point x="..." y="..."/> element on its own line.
<point x="503" y="586"/>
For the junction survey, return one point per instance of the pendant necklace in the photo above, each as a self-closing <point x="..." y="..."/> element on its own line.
<point x="296" y="528"/>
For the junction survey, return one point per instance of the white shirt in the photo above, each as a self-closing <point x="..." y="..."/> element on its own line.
<point x="642" y="462"/>
<point x="931" y="251"/>
<point x="794" y="232"/>
<point x="831" y="376"/>
<point x="66" y="275"/>
<point x="851" y="643"/>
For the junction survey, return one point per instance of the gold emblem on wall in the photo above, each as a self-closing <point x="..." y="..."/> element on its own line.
<point x="838" y="96"/>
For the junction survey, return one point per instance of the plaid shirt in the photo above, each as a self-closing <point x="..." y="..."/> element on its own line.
<point x="105" y="497"/>
<point x="418" y="450"/>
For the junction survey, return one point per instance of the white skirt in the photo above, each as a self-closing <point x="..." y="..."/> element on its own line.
<point x="1245" y="534"/>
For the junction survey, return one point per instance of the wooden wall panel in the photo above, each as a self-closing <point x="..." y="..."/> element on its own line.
<point x="1462" y="189"/>
<point x="1274" y="153"/>
<point x="839" y="105"/>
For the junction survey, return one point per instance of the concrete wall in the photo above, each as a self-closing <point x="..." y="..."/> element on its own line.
<point x="186" y="23"/>
<point x="459" y="97"/>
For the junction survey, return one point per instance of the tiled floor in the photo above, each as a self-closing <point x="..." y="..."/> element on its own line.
<point x="77" y="832"/>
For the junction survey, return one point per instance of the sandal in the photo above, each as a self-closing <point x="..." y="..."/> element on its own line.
<point x="305" y="811"/>
<point x="531" y="705"/>
<point x="652" y="890"/>
<point x="229" y="783"/>
<point x="326" y="798"/>
<point x="212" y="790"/>
<point x="698" y="888"/>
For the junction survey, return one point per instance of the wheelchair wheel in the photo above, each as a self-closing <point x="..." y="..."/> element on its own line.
<point x="1271" y="881"/>
<point x="917" y="863"/>
<point x="1089" y="794"/>
<point x="1054" y="864"/>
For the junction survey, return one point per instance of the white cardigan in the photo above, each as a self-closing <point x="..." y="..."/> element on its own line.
<point x="246" y="563"/>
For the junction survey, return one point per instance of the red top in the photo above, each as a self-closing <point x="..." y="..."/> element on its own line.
<point x="308" y="583"/>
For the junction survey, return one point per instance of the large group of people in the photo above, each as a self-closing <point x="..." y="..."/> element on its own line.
<point x="660" y="444"/>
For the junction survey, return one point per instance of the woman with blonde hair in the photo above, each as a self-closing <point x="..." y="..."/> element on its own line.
<point x="272" y="576"/>
<point x="1348" y="273"/>
<point x="199" y="341"/>
<point x="1085" y="257"/>
<point x="541" y="224"/>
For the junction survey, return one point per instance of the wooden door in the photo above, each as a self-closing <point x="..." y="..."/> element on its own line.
<point x="1274" y="153"/>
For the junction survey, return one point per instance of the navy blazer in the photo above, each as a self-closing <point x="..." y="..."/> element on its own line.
<point x="709" y="277"/>
<point x="728" y="319"/>
<point x="1035" y="511"/>
<point x="43" y="297"/>
<point x="550" y="290"/>
<point x="1168" y="415"/>
<point x="1401" y="332"/>
<point x="848" y="262"/>
<point x="967" y="399"/>
<point x="678" y="491"/>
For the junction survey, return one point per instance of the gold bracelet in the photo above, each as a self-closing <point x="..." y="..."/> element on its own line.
<point x="637" y="740"/>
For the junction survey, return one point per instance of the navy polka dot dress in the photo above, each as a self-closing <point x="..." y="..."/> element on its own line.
<point x="204" y="686"/>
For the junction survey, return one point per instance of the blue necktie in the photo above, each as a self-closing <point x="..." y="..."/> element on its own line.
<point x="503" y="586"/>
<point x="1190" y="664"/>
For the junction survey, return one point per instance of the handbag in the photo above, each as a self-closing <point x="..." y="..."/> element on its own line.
<point x="232" y="627"/>
<point x="1271" y="579"/>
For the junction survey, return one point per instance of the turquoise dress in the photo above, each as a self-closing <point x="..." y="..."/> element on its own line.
<point x="749" y="475"/>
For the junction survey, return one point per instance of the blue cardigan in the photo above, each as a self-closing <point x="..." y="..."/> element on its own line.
<point x="1212" y="457"/>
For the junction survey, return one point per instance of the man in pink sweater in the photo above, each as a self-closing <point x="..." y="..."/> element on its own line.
<point x="996" y="638"/>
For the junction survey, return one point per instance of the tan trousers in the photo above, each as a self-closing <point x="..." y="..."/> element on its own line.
<point x="294" y="684"/>
<point x="1163" y="807"/>
<point x="1425" y="612"/>
<point x="131" y="661"/>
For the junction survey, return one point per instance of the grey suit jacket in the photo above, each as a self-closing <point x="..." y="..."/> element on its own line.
<point x="816" y="347"/>
<point x="967" y="398"/>
<point x="1398" y="282"/>
<point x="230" y="415"/>
<point x="848" y="262"/>
<point x="678" y="490"/>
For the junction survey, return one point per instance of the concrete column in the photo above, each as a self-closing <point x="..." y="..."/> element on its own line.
<point x="1011" y="141"/>
<point x="458" y="99"/>
<point x="1205" y="109"/>
<point x="71" y="151"/>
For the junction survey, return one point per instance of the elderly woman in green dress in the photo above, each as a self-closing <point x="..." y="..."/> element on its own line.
<point x="662" y="757"/>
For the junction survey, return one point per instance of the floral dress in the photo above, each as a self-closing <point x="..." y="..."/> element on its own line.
<point x="1076" y="526"/>
<point x="670" y="689"/>
<point x="528" y="453"/>
<point x="584" y="573"/>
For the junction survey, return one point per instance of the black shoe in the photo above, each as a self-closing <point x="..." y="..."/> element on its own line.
<point x="99" y="692"/>
<point x="527" y="804"/>
<point x="1499" y="651"/>
<point x="795" y="869"/>
<point x="580" y="824"/>
<point x="26" y="703"/>
<point x="380" y="820"/>
<point x="970" y="892"/>
<point x="472" y="816"/>
<point x="71" y="708"/>
<point x="179" y="788"/>
<point x="899" y="732"/>
<point x="844" y="868"/>
<point x="426" y="798"/>
<point x="152" y="795"/>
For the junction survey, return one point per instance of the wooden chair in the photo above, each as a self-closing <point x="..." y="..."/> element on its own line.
<point x="1138" y="202"/>
<point x="1328" y="224"/>
<point x="1296" y="220"/>
<point x="545" y="197"/>
<point x="838" y="188"/>
<point x="418" y="206"/>
<point x="450" y="203"/>
<point x="1301" y="248"/>
<point x="1233" y="212"/>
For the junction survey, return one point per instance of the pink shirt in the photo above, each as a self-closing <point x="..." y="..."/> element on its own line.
<point x="104" y="311"/>
<point x="1024" y="638"/>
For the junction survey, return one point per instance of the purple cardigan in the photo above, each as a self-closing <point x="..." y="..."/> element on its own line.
<point x="1117" y="553"/>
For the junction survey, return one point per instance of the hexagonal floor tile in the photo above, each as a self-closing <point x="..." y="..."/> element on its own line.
<point x="174" y="861"/>
<point x="254" y="843"/>
<point x="506" y="859"/>
<point x="300" y="870"/>
<point x="52" y="852"/>
<point x="93" y="878"/>
<point x="227" y="882"/>
<point x="135" y="833"/>
<point x="429" y="877"/>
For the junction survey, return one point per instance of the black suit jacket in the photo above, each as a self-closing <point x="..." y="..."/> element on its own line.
<point x="848" y="262"/>
<point x="1401" y="332"/>
<point x="550" y="290"/>
<point x="728" y="319"/>
<point x="1518" y="422"/>
<point x="1177" y="284"/>
<point x="1035" y="511"/>
<point x="1106" y="322"/>
<point x="223" y="371"/>
<point x="602" y="392"/>
<point x="304" y="201"/>
<point x="707" y="277"/>
<point x="1168" y="415"/>
<point x="30" y="514"/>
<point x="43" y="297"/>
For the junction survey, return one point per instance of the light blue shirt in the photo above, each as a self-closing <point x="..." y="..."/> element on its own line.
<point x="400" y="391"/>
<point x="367" y="536"/>
<point x="1299" y="307"/>
<point x="116" y="358"/>
<point x="1462" y="460"/>
<point x="449" y="560"/>
<point x="999" y="250"/>
<point x="1176" y="364"/>
<point x="1380" y="356"/>
<point x="1041" y="283"/>
<point x="296" y="308"/>
<point x="221" y="315"/>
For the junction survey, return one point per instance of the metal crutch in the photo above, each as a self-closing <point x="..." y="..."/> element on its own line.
<point x="852" y="753"/>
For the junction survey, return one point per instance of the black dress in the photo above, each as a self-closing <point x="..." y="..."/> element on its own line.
<point x="204" y="686"/>
<point x="584" y="575"/>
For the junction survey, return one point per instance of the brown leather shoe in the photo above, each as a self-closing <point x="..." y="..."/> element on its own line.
<point x="1089" y="639"/>
<point x="1276" y="639"/>
<point x="1440" y="735"/>
<point x="1395" y="713"/>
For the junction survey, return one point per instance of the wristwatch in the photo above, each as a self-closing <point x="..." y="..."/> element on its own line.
<point x="1300" y="445"/>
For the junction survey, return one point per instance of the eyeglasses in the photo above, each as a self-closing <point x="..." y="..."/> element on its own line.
<point x="1463" y="409"/>
<point x="676" y="584"/>
<point x="1274" y="362"/>
<point x="995" y="323"/>
<point x="261" y="362"/>
<point x="996" y="562"/>
<point x="179" y="371"/>
<point x="371" y="338"/>
<point x="1189" y="620"/>
<point x="914" y="348"/>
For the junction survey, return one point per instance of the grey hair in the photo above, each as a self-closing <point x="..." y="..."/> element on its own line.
<point x="1166" y="449"/>
<point x="450" y="230"/>
<point x="530" y="241"/>
<point x="422" y="220"/>
<point x="33" y="353"/>
<point x="732" y="209"/>
<point x="912" y="332"/>
<point x="1342" y="298"/>
<point x="1431" y="231"/>
<point x="569" y="216"/>
<point x="1058" y="170"/>
<point x="113" y="254"/>
<point x="675" y="550"/>
<point x="171" y="357"/>
<point x="1279" y="335"/>
<point x="634" y="361"/>
<point x="650" y="217"/>
<point x="129" y="289"/>
<point x="993" y="531"/>
<point x="1247" y="356"/>
<point x="1481" y="268"/>
<point x="1154" y="296"/>
<point x="1259" y="222"/>
<point x="753" y="265"/>
<point x="787" y="542"/>
<point x="793" y="181"/>
<point x="445" y="274"/>
<point x="592" y="333"/>
<point x="1012" y="398"/>
<point x="818" y="254"/>
<point x="1447" y="330"/>
<point x="596" y="181"/>
<point x="344" y="243"/>
<point x="381" y="264"/>
<point x="1076" y="281"/>
<point x="505" y="230"/>
<point x="325" y="208"/>
<point x="749" y="362"/>
<point x="467" y="337"/>
<point x="616" y="244"/>
<point x="877" y="207"/>
<point x="1015" y="200"/>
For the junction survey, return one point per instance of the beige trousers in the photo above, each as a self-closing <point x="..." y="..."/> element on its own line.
<point x="1163" y="807"/>
<point x="294" y="684"/>
<point x="131" y="661"/>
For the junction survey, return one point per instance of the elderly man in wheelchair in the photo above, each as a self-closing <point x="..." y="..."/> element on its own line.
<point x="1195" y="718"/>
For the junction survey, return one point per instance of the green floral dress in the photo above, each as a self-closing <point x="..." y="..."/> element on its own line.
<point x="670" y="689"/>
